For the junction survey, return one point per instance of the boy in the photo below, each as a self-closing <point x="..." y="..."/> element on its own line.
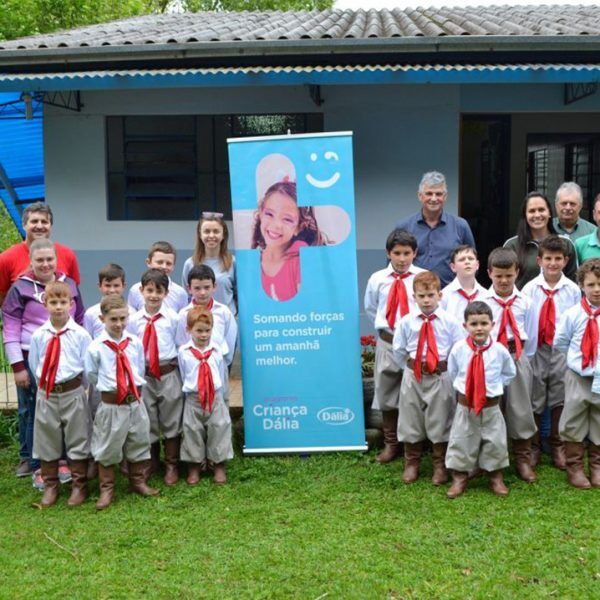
<point x="56" y="359"/>
<point x="161" y="256"/>
<point x="551" y="294"/>
<point x="114" y="364"/>
<point x="206" y="420"/>
<point x="156" y="326"/>
<point x="421" y="345"/>
<point x="515" y="329"/>
<point x="480" y="369"/>
<point x="577" y="334"/>
<point x="464" y="288"/>
<point x="388" y="298"/>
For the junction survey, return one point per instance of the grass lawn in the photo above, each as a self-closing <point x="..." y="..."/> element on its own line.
<point x="329" y="526"/>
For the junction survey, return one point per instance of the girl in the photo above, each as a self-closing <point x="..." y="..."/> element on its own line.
<point x="281" y="228"/>
<point x="212" y="236"/>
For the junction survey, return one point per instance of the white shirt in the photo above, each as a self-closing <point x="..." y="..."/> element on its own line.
<point x="92" y="323"/>
<point x="523" y="313"/>
<point x="454" y="303"/>
<point x="498" y="366"/>
<point x="189" y="365"/>
<point x="101" y="362"/>
<point x="448" y="331"/>
<point x="568" y="294"/>
<point x="224" y="333"/>
<point x="73" y="346"/>
<point x="568" y="338"/>
<point x="378" y="290"/>
<point x="166" y="331"/>
<point x="176" y="298"/>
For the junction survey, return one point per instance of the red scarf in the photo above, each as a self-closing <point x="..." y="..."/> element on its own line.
<point x="150" y="342"/>
<point x="589" y="342"/>
<point x="208" y="306"/>
<point x="397" y="298"/>
<point x="508" y="318"/>
<point x="547" y="322"/>
<point x="468" y="297"/>
<point x="206" y="386"/>
<point x="475" y="385"/>
<point x="125" y="379"/>
<point x="50" y="367"/>
<point x="432" y="358"/>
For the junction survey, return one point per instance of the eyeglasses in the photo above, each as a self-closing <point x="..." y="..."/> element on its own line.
<point x="212" y="215"/>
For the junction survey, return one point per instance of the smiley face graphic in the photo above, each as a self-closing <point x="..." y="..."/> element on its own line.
<point x="324" y="183"/>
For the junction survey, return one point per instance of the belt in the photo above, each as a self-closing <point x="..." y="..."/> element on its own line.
<point x="67" y="386"/>
<point x="164" y="369"/>
<point x="512" y="346"/>
<point x="385" y="336"/>
<point x="111" y="397"/>
<point x="442" y="367"/>
<point x="462" y="399"/>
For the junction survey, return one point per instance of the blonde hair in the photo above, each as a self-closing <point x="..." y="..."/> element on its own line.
<point x="225" y="255"/>
<point x="109" y="303"/>
<point x="57" y="289"/>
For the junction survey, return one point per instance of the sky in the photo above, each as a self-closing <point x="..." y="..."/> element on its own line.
<point x="366" y="4"/>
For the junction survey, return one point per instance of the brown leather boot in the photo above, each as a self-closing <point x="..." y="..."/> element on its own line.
<point x="459" y="484"/>
<point x="92" y="469"/>
<point x="522" y="452"/>
<point x="412" y="461"/>
<point x="438" y="458"/>
<point x="51" y="483"/>
<point x="574" y="452"/>
<point x="219" y="475"/>
<point x="171" y="460"/>
<point x="155" y="457"/>
<point x="536" y="442"/>
<point x="137" y="479"/>
<point x="124" y="467"/>
<point x="497" y="483"/>
<point x="391" y="449"/>
<point x="594" y="460"/>
<point x="79" y="487"/>
<point x="556" y="444"/>
<point x="106" y="475"/>
<point x="194" y="473"/>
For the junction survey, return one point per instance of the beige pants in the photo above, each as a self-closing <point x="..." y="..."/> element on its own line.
<point x="387" y="377"/>
<point x="581" y="413"/>
<point x="477" y="440"/>
<point x="164" y="404"/>
<point x="121" y="431"/>
<point x="93" y="401"/>
<point x="206" y="434"/>
<point x="426" y="409"/>
<point x="548" y="366"/>
<point x="517" y="409"/>
<point x="59" y="414"/>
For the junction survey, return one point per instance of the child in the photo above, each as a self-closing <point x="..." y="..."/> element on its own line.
<point x="464" y="288"/>
<point x="577" y="334"/>
<point x="514" y="328"/>
<point x="551" y="294"/>
<point x="114" y="364"/>
<point x="422" y="341"/>
<point x="156" y="325"/>
<point x="206" y="420"/>
<point x="162" y="256"/>
<point x="56" y="360"/>
<point x="480" y="369"/>
<point x="388" y="297"/>
<point x="281" y="228"/>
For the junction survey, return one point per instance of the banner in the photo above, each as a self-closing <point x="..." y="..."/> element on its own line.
<point x="294" y="229"/>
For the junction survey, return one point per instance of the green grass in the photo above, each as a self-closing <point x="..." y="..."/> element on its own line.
<point x="331" y="526"/>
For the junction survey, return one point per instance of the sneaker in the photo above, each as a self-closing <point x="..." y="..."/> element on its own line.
<point x="64" y="473"/>
<point x="23" y="470"/>
<point x="37" y="481"/>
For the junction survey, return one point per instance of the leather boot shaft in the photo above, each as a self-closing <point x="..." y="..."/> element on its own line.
<point x="194" y="473"/>
<point x="171" y="460"/>
<point x="51" y="483"/>
<point x="557" y="446"/>
<point x="594" y="461"/>
<point x="219" y="475"/>
<point x="391" y="449"/>
<point x="497" y="484"/>
<point x="137" y="479"/>
<point x="79" y="483"/>
<point x="438" y="459"/>
<point x="459" y="484"/>
<point x="106" y="476"/>
<point x="522" y="454"/>
<point x="575" y="452"/>
<point x="412" y="461"/>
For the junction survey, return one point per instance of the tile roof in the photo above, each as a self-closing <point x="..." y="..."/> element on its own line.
<point x="334" y="24"/>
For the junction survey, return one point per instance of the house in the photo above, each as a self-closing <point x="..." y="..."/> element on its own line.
<point x="136" y="114"/>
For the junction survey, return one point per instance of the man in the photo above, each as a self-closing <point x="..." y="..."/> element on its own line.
<point x="37" y="223"/>
<point x="589" y="246"/>
<point x="437" y="231"/>
<point x="568" y="202"/>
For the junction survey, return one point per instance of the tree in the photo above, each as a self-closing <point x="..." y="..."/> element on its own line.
<point x="20" y="18"/>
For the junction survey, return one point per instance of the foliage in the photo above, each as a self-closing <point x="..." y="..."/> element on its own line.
<point x="236" y="5"/>
<point x="9" y="234"/>
<point x="8" y="429"/>
<point x="367" y="354"/>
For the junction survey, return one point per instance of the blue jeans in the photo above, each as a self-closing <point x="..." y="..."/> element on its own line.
<point x="26" y="410"/>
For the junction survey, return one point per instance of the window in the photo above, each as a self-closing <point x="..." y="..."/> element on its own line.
<point x="169" y="168"/>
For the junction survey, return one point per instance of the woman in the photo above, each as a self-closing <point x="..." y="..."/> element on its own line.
<point x="212" y="236"/>
<point x="536" y="224"/>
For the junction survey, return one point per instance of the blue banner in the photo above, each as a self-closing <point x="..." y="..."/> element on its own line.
<point x="294" y="229"/>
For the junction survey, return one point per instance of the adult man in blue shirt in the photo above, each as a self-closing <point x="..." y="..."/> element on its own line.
<point x="437" y="231"/>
